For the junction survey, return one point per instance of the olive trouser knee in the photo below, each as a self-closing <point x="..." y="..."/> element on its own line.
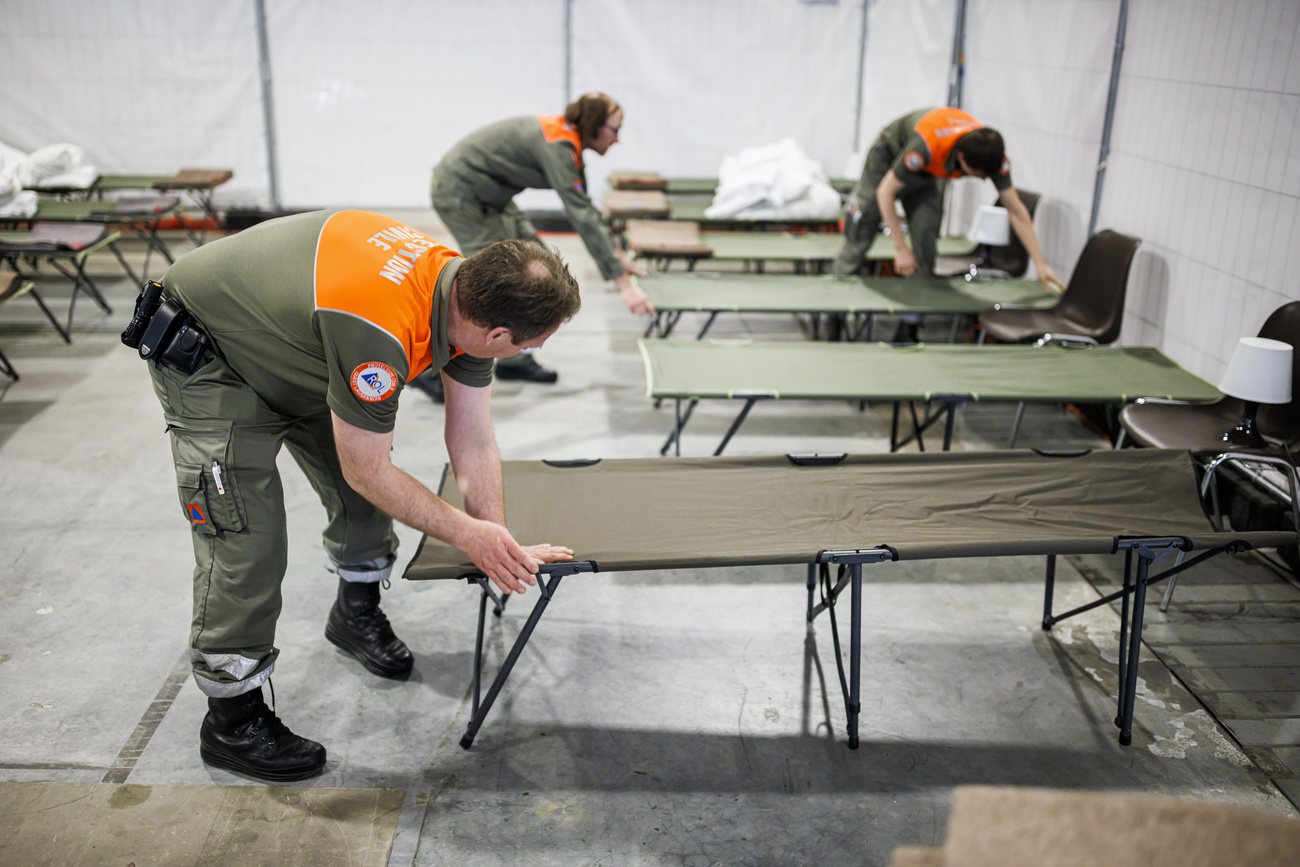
<point x="922" y="201"/>
<point x="225" y="440"/>
<point x="476" y="225"/>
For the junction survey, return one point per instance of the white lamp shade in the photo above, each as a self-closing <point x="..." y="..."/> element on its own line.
<point x="992" y="226"/>
<point x="1260" y="371"/>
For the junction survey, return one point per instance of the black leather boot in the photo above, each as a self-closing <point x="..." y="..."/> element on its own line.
<point x="357" y="625"/>
<point x="242" y="734"/>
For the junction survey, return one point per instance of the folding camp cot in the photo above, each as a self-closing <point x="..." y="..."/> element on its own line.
<point x="931" y="373"/>
<point x="661" y="242"/>
<point x="65" y="247"/>
<point x="632" y="180"/>
<point x="139" y="214"/>
<point x="198" y="184"/>
<point x="852" y="303"/>
<point x="847" y="511"/>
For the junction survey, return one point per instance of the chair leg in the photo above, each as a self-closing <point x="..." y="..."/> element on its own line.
<point x="1173" y="582"/>
<point x="1015" y="426"/>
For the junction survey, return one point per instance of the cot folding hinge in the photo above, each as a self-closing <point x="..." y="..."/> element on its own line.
<point x="858" y="555"/>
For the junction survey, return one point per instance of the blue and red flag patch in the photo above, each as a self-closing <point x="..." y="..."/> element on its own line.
<point x="195" y="513"/>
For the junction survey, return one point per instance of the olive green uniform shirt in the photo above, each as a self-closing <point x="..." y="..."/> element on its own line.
<point x="495" y="163"/>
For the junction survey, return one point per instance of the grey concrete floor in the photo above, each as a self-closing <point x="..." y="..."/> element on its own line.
<point x="686" y="717"/>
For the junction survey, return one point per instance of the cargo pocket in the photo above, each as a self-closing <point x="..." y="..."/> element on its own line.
<point x="206" y="479"/>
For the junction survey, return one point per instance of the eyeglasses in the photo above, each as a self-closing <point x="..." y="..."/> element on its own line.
<point x="612" y="128"/>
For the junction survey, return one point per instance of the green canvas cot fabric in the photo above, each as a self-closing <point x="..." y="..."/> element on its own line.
<point x="673" y="513"/>
<point x="878" y="371"/>
<point x="798" y="293"/>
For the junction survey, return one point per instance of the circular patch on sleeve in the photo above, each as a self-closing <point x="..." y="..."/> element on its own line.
<point x="913" y="161"/>
<point x="1006" y="165"/>
<point x="373" y="381"/>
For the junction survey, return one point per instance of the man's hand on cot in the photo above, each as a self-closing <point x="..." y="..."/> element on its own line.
<point x="636" y="300"/>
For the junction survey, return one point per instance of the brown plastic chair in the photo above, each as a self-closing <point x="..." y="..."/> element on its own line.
<point x="1201" y="428"/>
<point x="1092" y="306"/>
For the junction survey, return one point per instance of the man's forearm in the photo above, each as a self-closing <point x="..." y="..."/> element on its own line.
<point x="478" y="477"/>
<point x="401" y="496"/>
<point x="889" y="216"/>
<point x="1023" y="225"/>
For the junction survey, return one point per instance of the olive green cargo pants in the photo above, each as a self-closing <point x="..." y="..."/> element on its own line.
<point x="922" y="201"/>
<point x="225" y="439"/>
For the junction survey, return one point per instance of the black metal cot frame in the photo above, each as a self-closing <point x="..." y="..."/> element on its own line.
<point x="947" y="411"/>
<point x="1149" y="551"/>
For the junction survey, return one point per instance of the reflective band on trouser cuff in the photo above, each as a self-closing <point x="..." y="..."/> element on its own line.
<point x="231" y="663"/>
<point x="367" y="571"/>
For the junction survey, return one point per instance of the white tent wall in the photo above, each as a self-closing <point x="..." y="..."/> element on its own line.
<point x="1038" y="71"/>
<point x="909" y="48"/>
<point x="369" y="97"/>
<point x="144" y="86"/>
<point x="1204" y="168"/>
<point x="700" y="80"/>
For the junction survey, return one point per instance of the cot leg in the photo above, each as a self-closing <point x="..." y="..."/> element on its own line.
<point x="893" y="430"/>
<point x="952" y="333"/>
<point x="916" y="426"/>
<point x="478" y="647"/>
<point x="670" y="323"/>
<point x="951" y="409"/>
<point x="1123" y="634"/>
<point x="707" y="325"/>
<point x="855" y="656"/>
<point x="1134" y="649"/>
<point x="130" y="273"/>
<point x="812" y="586"/>
<point x="735" y="425"/>
<point x="1047" y="593"/>
<point x="675" y="438"/>
<point x="49" y="314"/>
<point x="654" y="324"/>
<point x="545" y="591"/>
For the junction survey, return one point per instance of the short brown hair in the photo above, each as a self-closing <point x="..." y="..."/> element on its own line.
<point x="590" y="112"/>
<point x="983" y="150"/>
<point x="520" y="285"/>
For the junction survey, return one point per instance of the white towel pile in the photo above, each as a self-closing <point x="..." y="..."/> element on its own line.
<point x="772" y="182"/>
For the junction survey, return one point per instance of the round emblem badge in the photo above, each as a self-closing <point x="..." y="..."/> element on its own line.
<point x="373" y="381"/>
<point x="913" y="161"/>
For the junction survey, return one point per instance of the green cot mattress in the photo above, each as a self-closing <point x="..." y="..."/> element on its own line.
<point x="862" y="371"/>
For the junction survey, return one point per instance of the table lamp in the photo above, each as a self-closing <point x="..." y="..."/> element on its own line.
<point x="1259" y="372"/>
<point x="991" y="228"/>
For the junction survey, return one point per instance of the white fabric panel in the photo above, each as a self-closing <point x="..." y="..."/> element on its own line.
<point x="1038" y="71"/>
<point x="145" y="86"/>
<point x="368" y="97"/>
<point x="701" y="79"/>
<point x="909" y="51"/>
<point x="1204" y="168"/>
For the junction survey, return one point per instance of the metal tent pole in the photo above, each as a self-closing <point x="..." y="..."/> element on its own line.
<point x="268" y="110"/>
<point x="862" y="71"/>
<point x="1104" y="156"/>
<point x="957" y="70"/>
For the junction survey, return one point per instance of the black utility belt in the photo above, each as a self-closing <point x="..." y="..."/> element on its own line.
<point x="162" y="330"/>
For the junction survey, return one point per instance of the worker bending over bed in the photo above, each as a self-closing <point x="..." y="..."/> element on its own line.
<point x="905" y="165"/>
<point x="314" y="323"/>
<point x="475" y="184"/>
